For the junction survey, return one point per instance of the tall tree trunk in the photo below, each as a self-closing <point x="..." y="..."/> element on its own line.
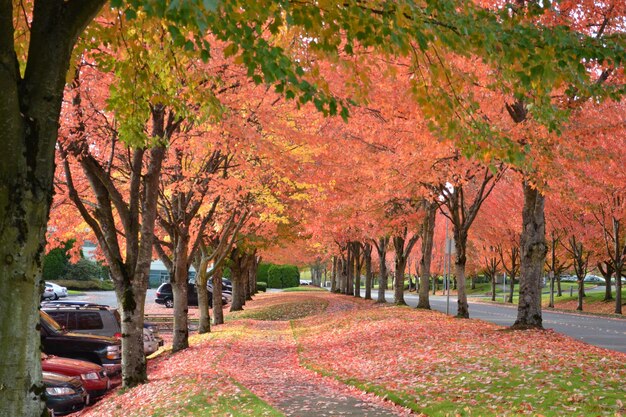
<point x="247" y="276"/>
<point x="202" y="277"/>
<point x="511" y="289"/>
<point x="559" y="289"/>
<point x="179" y="289"/>
<point x="357" y="269"/>
<point x="427" y="233"/>
<point x="493" y="287"/>
<point x="132" y="294"/>
<point x="367" y="253"/>
<point x="333" y="276"/>
<point x="29" y="115"/>
<point x="398" y="295"/>
<point x="581" y="294"/>
<point x="606" y="269"/>
<point x="381" y="248"/>
<point x="619" y="256"/>
<point x="460" y="241"/>
<point x="238" y="290"/>
<point x="252" y="274"/>
<point x="218" y="310"/>
<point x="350" y="270"/>
<point x="533" y="251"/>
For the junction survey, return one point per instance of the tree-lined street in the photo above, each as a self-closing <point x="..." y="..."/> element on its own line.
<point x="221" y="148"/>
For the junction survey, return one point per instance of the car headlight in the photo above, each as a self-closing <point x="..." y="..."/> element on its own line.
<point x="90" y="375"/>
<point x="60" y="391"/>
<point x="113" y="352"/>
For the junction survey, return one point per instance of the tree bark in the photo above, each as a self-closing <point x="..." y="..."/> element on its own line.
<point x="357" y="269"/>
<point x="427" y="233"/>
<point x="29" y="119"/>
<point x="132" y="293"/>
<point x="179" y="288"/>
<point x="218" y="309"/>
<point x="533" y="251"/>
<point x="381" y="248"/>
<point x="350" y="270"/>
<point x="606" y="269"/>
<point x="333" y="276"/>
<point x="238" y="284"/>
<point x="204" y="324"/>
<point x="367" y="253"/>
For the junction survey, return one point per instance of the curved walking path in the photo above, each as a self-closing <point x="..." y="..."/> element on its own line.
<point x="264" y="358"/>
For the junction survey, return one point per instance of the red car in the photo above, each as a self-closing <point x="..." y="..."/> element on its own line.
<point x="93" y="377"/>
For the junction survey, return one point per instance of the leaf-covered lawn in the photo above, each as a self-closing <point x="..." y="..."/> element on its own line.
<point x="441" y="366"/>
<point x="187" y="383"/>
<point x="368" y="356"/>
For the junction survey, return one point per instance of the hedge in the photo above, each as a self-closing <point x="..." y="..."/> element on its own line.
<point x="262" y="272"/>
<point x="283" y="276"/>
<point x="261" y="286"/>
<point x="93" y="285"/>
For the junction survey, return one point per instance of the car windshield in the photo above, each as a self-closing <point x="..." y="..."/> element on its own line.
<point x="51" y="322"/>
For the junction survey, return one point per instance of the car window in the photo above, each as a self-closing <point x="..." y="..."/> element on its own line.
<point x="50" y="321"/>
<point x="71" y="321"/>
<point x="60" y="317"/>
<point x="88" y="320"/>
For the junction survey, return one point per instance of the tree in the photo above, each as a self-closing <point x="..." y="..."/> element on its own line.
<point x="463" y="199"/>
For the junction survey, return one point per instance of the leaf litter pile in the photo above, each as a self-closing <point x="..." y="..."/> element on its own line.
<point x="317" y="354"/>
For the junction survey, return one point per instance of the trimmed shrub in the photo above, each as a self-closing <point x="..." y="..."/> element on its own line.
<point x="261" y="286"/>
<point x="262" y="272"/>
<point x="291" y="276"/>
<point x="283" y="276"/>
<point x="85" y="270"/>
<point x="55" y="264"/>
<point x="93" y="285"/>
<point x="274" y="277"/>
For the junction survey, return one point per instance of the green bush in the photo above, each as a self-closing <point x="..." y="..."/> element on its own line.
<point x="93" y="285"/>
<point x="283" y="276"/>
<point x="85" y="270"/>
<point x="262" y="272"/>
<point x="291" y="276"/>
<point x="261" y="286"/>
<point x="55" y="264"/>
<point x="274" y="277"/>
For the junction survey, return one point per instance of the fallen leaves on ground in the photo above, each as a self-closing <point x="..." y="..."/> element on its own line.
<point x="349" y="356"/>
<point x="441" y="365"/>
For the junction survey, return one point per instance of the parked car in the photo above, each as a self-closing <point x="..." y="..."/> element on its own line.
<point x="101" y="350"/>
<point x="568" y="278"/>
<point x="227" y="295"/>
<point x="94" y="377"/>
<point x="59" y="291"/>
<point x="48" y="293"/>
<point x="595" y="279"/>
<point x="165" y="295"/>
<point x="64" y="394"/>
<point x="100" y="319"/>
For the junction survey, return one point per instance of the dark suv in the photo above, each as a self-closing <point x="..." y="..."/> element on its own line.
<point x="102" y="350"/>
<point x="165" y="295"/>
<point x="100" y="319"/>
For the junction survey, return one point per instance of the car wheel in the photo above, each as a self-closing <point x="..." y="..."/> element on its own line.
<point x="169" y="303"/>
<point x="56" y="296"/>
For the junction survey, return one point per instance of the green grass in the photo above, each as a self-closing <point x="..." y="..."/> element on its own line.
<point x="595" y="297"/>
<point x="75" y="292"/>
<point x="282" y="312"/>
<point x="214" y="403"/>
<point x="303" y="288"/>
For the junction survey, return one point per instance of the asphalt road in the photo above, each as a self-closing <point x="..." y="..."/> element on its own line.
<point x="605" y="332"/>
